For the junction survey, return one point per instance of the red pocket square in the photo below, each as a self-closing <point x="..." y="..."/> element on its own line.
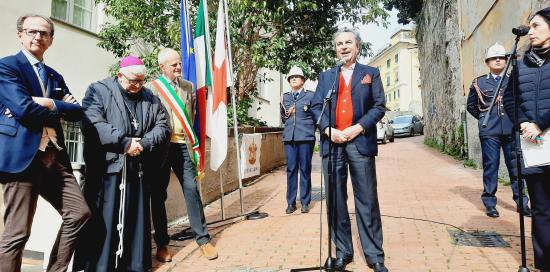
<point x="367" y="79"/>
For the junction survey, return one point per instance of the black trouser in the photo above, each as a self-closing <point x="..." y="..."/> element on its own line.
<point x="179" y="161"/>
<point x="363" y="179"/>
<point x="539" y="190"/>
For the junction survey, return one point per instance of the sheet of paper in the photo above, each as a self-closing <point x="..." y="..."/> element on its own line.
<point x="536" y="154"/>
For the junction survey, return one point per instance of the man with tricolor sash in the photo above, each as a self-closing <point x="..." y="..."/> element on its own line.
<point x="178" y="97"/>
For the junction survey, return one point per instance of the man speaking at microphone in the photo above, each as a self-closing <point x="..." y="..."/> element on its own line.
<point x="358" y="103"/>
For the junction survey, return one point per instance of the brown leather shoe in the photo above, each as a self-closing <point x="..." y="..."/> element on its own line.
<point x="209" y="251"/>
<point x="163" y="254"/>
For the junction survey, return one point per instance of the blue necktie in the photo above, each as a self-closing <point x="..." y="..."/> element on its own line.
<point x="43" y="74"/>
<point x="296" y="95"/>
<point x="497" y="79"/>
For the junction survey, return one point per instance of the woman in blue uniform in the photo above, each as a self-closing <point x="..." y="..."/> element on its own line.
<point x="299" y="139"/>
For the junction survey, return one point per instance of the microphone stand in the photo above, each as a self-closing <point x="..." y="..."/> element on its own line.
<point x="329" y="263"/>
<point x="512" y="60"/>
<point x="327" y="103"/>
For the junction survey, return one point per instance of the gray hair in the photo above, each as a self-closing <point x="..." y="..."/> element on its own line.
<point x="164" y="54"/>
<point x="348" y="30"/>
<point x="24" y="17"/>
<point x="137" y="70"/>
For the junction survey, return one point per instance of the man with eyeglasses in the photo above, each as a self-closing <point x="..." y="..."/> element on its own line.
<point x="178" y="97"/>
<point x="125" y="130"/>
<point x="498" y="133"/>
<point x="33" y="156"/>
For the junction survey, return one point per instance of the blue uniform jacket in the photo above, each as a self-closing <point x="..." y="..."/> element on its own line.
<point x="499" y="123"/>
<point x="300" y="125"/>
<point x="369" y="106"/>
<point x="20" y="135"/>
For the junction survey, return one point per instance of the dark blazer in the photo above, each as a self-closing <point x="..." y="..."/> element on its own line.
<point x="106" y="125"/>
<point x="299" y="126"/>
<point x="20" y="135"/>
<point x="369" y="105"/>
<point x="499" y="123"/>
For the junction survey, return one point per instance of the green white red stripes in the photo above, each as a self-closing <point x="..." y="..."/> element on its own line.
<point x="171" y="98"/>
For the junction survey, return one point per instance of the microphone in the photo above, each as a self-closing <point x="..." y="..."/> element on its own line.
<point x="330" y="92"/>
<point x="521" y="30"/>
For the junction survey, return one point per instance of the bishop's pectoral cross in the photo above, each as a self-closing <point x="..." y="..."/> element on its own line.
<point x="135" y="123"/>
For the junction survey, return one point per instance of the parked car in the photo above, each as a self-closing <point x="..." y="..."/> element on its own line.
<point x="384" y="131"/>
<point x="407" y="125"/>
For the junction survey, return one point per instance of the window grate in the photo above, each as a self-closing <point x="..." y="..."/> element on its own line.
<point x="477" y="238"/>
<point x="316" y="194"/>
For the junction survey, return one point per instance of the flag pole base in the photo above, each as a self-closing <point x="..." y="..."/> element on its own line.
<point x="256" y="215"/>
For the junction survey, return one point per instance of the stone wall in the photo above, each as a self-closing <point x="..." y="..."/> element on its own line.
<point x="453" y="36"/>
<point x="439" y="56"/>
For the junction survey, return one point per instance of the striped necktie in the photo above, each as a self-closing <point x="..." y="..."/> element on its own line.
<point x="43" y="74"/>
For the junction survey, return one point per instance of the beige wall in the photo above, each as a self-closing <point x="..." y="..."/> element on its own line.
<point x="75" y="55"/>
<point x="269" y="96"/>
<point x="489" y="22"/>
<point x="74" y="52"/>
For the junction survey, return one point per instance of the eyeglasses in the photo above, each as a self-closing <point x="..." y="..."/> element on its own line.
<point x="33" y="32"/>
<point x="495" y="58"/>
<point x="134" y="81"/>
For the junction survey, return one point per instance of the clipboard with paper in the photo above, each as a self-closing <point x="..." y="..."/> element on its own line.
<point x="536" y="154"/>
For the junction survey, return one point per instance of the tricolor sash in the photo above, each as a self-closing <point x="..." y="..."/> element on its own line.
<point x="170" y="96"/>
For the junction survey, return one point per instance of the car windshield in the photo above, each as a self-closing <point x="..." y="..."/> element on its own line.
<point x="402" y="120"/>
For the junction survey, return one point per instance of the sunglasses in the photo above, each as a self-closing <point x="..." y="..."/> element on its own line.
<point x="495" y="58"/>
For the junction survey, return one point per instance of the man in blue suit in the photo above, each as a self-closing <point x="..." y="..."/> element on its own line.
<point x="358" y="103"/>
<point x="498" y="133"/>
<point x="33" y="157"/>
<point x="298" y="138"/>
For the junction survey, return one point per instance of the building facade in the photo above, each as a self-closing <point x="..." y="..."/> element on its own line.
<point x="271" y="86"/>
<point x="399" y="71"/>
<point x="74" y="54"/>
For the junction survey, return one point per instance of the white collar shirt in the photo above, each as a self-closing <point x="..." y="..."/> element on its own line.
<point x="347" y="72"/>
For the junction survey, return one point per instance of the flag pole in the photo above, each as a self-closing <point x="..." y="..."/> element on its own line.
<point x="234" y="106"/>
<point x="255" y="214"/>
<point x="221" y="193"/>
<point x="209" y="88"/>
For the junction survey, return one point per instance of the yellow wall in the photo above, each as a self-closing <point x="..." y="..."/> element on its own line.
<point x="403" y="93"/>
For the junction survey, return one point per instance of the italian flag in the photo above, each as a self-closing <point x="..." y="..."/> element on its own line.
<point x="203" y="69"/>
<point x="217" y="99"/>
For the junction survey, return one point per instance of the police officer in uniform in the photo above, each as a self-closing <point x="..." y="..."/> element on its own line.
<point x="299" y="139"/>
<point x="498" y="133"/>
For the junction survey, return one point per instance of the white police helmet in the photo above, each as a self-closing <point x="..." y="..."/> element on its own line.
<point x="497" y="50"/>
<point x="295" y="71"/>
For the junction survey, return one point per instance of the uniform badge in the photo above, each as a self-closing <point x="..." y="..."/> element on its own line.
<point x="306" y="107"/>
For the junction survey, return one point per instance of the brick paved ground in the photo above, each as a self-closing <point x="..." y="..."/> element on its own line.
<point x="416" y="185"/>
